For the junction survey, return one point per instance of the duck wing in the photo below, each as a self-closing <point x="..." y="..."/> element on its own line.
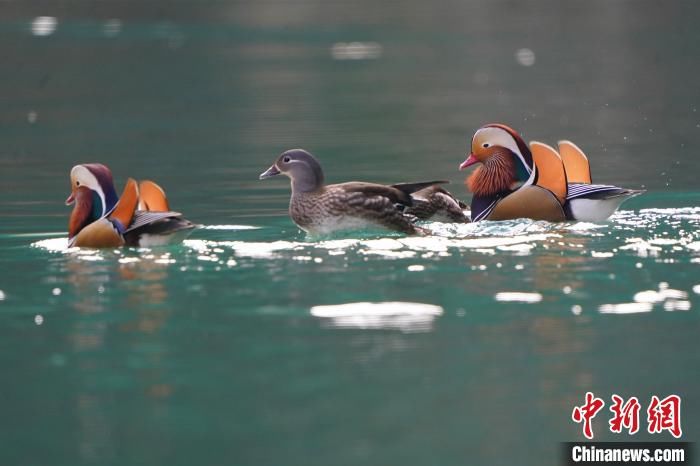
<point x="435" y="202"/>
<point x="169" y="227"/>
<point x="598" y="191"/>
<point x="370" y="190"/>
<point x="397" y="193"/>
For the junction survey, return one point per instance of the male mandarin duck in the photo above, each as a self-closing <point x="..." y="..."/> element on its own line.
<point x="318" y="208"/>
<point x="537" y="182"/>
<point x="141" y="217"/>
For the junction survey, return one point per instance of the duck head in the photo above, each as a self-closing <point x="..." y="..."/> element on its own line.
<point x="302" y="168"/>
<point x="506" y="161"/>
<point x="92" y="191"/>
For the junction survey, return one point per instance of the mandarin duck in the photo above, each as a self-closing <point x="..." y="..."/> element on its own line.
<point x="437" y="204"/>
<point x="141" y="217"/>
<point x="318" y="208"/>
<point x="536" y="182"/>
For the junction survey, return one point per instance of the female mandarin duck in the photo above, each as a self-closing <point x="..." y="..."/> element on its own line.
<point x="318" y="208"/>
<point x="537" y="182"/>
<point x="100" y="219"/>
<point x="437" y="204"/>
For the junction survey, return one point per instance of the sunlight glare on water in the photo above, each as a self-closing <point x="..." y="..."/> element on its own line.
<point x="640" y="235"/>
<point x="407" y="317"/>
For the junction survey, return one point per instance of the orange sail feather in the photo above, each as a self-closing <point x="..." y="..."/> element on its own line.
<point x="550" y="169"/>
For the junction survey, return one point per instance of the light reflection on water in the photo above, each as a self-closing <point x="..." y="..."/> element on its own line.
<point x="407" y="317"/>
<point x="560" y="260"/>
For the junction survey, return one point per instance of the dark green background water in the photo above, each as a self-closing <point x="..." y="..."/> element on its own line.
<point x="208" y="353"/>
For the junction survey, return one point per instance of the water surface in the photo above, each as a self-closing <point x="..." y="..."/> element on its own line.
<point x="253" y="344"/>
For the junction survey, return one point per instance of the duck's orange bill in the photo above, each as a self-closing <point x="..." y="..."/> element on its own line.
<point x="471" y="160"/>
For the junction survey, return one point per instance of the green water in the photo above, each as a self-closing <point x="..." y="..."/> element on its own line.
<point x="217" y="351"/>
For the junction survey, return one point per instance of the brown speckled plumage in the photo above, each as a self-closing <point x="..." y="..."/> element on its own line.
<point x="318" y="208"/>
<point x="317" y="211"/>
<point x="437" y="204"/>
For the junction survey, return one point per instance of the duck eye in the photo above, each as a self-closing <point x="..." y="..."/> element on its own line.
<point x="486" y="144"/>
<point x="77" y="183"/>
<point x="286" y="160"/>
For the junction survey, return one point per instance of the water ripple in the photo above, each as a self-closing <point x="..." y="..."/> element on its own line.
<point x="643" y="234"/>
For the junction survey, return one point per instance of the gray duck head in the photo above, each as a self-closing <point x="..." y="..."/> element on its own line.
<point x="301" y="167"/>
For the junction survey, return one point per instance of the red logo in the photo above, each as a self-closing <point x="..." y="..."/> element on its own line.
<point x="665" y="415"/>
<point x="625" y="415"/>
<point x="587" y="412"/>
<point x="661" y="415"/>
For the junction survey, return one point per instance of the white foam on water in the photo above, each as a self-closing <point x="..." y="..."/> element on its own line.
<point x="389" y="254"/>
<point x="648" y="296"/>
<point x="337" y="244"/>
<point x="382" y="244"/>
<point x="641" y="247"/>
<point x="516" y="296"/>
<point x="393" y="315"/>
<point x="677" y="305"/>
<point x="625" y="308"/>
<point x="649" y="238"/>
<point x="129" y="260"/>
<point x="52" y="244"/>
<point x="692" y="212"/>
<point x="255" y="249"/>
<point x="390" y="248"/>
<point x="520" y="249"/>
<point x="263" y="250"/>
<point x="670" y="299"/>
<point x="585" y="226"/>
<point x="663" y="241"/>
